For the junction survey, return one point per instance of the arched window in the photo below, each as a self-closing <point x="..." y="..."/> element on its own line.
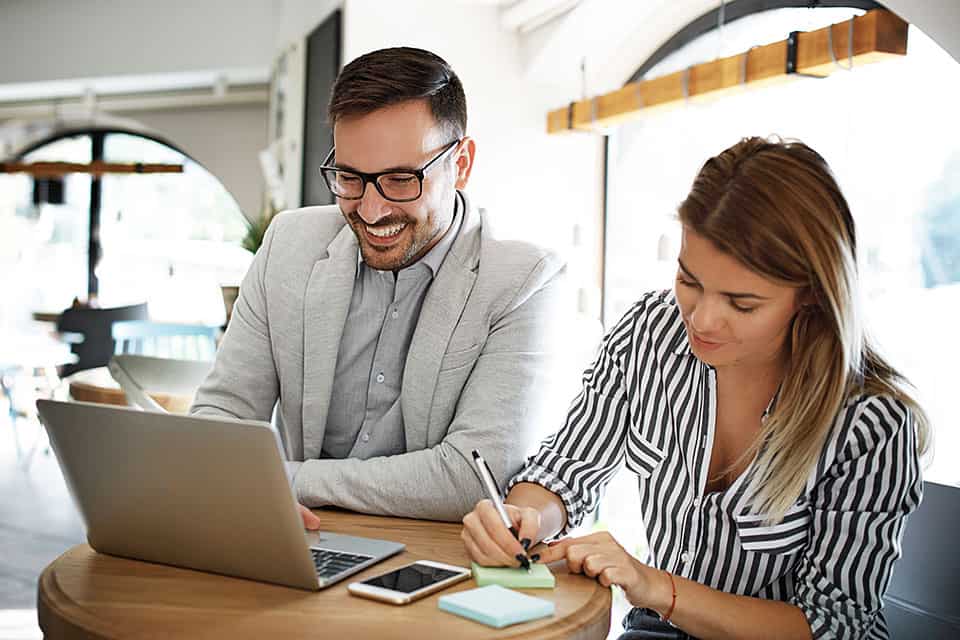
<point x="167" y="239"/>
<point x="889" y="132"/>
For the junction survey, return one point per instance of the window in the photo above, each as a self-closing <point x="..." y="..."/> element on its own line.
<point x="169" y="239"/>
<point x="888" y="131"/>
<point x="44" y="245"/>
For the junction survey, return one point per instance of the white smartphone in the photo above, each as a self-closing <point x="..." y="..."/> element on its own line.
<point x="409" y="582"/>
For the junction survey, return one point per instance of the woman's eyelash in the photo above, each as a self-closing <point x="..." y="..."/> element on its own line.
<point x="688" y="283"/>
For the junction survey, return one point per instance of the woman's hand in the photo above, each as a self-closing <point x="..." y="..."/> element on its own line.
<point x="489" y="543"/>
<point x="600" y="556"/>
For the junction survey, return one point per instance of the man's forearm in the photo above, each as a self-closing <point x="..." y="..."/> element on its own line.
<point x="433" y="484"/>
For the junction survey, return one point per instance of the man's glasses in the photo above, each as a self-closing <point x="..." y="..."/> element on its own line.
<point x="396" y="186"/>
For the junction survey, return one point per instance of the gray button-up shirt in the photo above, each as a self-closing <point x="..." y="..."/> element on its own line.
<point x="364" y="419"/>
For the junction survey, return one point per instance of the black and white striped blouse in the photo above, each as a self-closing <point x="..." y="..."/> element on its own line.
<point x="649" y="401"/>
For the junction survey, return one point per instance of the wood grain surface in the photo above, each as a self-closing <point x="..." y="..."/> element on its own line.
<point x="97" y="385"/>
<point x="84" y="594"/>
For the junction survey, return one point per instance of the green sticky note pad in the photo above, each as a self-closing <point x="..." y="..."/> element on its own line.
<point x="539" y="577"/>
<point x="496" y="606"/>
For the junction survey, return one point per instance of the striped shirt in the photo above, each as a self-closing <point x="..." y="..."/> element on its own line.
<point x="650" y="402"/>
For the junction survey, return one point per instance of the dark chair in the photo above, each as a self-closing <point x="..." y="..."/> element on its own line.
<point x="93" y="341"/>
<point x="923" y="599"/>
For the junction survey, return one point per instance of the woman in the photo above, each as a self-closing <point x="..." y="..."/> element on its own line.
<point x="777" y="453"/>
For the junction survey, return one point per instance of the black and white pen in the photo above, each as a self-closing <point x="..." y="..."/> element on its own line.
<point x="490" y="487"/>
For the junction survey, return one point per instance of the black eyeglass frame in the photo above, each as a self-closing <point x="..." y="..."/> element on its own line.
<point x="374" y="178"/>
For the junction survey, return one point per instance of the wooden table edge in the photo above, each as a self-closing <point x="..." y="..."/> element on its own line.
<point x="59" y="616"/>
<point x="82" y="391"/>
<point x="54" y="619"/>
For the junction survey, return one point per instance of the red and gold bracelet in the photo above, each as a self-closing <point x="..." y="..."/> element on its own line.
<point x="673" y="602"/>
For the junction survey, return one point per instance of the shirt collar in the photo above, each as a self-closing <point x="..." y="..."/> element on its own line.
<point x="681" y="341"/>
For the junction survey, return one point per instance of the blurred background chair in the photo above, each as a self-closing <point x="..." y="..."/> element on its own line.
<point x="28" y="370"/>
<point x="164" y="384"/>
<point x="89" y="332"/>
<point x="923" y="600"/>
<point x="165" y="340"/>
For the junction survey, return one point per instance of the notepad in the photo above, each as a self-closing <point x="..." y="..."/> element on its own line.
<point x="496" y="606"/>
<point x="539" y="577"/>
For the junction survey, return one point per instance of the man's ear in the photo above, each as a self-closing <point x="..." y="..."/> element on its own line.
<point x="464" y="161"/>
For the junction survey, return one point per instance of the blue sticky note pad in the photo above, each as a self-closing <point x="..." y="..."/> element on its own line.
<point x="496" y="606"/>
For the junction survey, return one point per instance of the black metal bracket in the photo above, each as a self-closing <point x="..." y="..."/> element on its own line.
<point x="792" y="41"/>
<point x="735" y="10"/>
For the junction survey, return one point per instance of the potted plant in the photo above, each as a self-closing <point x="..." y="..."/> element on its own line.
<point x="258" y="228"/>
<point x="251" y="242"/>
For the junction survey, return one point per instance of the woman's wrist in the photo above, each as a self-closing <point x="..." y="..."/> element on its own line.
<point x="661" y="591"/>
<point x="547" y="504"/>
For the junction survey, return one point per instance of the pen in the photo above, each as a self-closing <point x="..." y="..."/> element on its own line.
<point x="490" y="486"/>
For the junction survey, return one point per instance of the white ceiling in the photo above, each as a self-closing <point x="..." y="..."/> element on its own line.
<point x="614" y="37"/>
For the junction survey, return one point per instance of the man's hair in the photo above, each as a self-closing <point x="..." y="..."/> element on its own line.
<point x="387" y="77"/>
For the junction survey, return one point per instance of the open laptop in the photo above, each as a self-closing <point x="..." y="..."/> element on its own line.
<point x="197" y="492"/>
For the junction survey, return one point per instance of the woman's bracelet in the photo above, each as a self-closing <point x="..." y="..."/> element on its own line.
<point x="673" y="602"/>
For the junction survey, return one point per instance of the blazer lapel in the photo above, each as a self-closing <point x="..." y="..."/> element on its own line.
<point x="439" y="316"/>
<point x="326" y="303"/>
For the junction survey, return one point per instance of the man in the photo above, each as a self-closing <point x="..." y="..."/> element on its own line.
<point x="397" y="332"/>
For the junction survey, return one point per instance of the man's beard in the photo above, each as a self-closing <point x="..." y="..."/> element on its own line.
<point x="371" y="252"/>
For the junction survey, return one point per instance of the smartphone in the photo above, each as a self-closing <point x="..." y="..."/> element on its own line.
<point x="410" y="582"/>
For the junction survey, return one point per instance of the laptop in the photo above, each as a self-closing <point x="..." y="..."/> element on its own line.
<point x="203" y="493"/>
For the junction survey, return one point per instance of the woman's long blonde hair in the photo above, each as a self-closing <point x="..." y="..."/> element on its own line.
<point x="775" y="207"/>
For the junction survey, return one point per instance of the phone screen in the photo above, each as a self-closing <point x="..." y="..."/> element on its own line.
<point x="410" y="578"/>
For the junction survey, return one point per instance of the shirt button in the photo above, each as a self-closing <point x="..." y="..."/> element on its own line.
<point x="380" y="377"/>
<point x="395" y="314"/>
<point x="685" y="556"/>
<point x="366" y="437"/>
<point x="696" y="501"/>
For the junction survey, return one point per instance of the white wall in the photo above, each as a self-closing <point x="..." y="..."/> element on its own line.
<point x="223" y="139"/>
<point x="535" y="186"/>
<point x="939" y="19"/>
<point x="617" y="36"/>
<point x="55" y="40"/>
<point x="43" y="40"/>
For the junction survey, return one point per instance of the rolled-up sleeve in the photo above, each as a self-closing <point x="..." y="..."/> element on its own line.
<point x="859" y="507"/>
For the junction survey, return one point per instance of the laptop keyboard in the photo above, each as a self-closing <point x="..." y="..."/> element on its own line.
<point x="333" y="563"/>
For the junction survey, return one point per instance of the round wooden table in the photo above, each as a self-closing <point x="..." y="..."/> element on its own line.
<point x="84" y="594"/>
<point x="97" y="385"/>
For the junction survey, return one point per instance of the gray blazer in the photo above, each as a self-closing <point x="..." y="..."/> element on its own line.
<point x="476" y="376"/>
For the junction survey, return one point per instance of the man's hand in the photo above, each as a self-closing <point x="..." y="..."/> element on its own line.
<point x="310" y="521"/>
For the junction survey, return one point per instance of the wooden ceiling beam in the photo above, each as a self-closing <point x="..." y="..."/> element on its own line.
<point x="877" y="35"/>
<point x="58" y="169"/>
